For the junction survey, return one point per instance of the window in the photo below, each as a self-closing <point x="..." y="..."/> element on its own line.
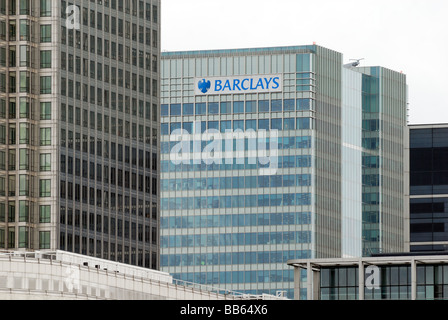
<point x="24" y="81"/>
<point x="45" y="85"/>
<point x="213" y="108"/>
<point x="24" y="159"/>
<point x="303" y="123"/>
<point x="23" y="237"/>
<point x="263" y="124"/>
<point x="24" y="185"/>
<point x="24" y="133"/>
<point x="45" y="188"/>
<point x="45" y="59"/>
<point x="45" y="214"/>
<point x="24" y="108"/>
<point x="276" y="124"/>
<point x="251" y="125"/>
<point x="175" y="110"/>
<point x="24" y="211"/>
<point x="24" y="56"/>
<point x="238" y="107"/>
<point x="226" y="125"/>
<point x="289" y="124"/>
<point x="263" y="106"/>
<point x="188" y="109"/>
<point x="45" y="33"/>
<point x="24" y="30"/>
<point x="45" y="162"/>
<point x="45" y="111"/>
<point x="45" y="8"/>
<point x="251" y="106"/>
<point x="44" y="239"/>
<point x="238" y="125"/>
<point x="289" y="105"/>
<point x="45" y="136"/>
<point x="303" y="104"/>
<point x="277" y="106"/>
<point x="200" y="108"/>
<point x="24" y="6"/>
<point x="225" y="107"/>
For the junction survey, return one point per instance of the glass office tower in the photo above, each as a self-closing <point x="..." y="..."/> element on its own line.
<point x="429" y="187"/>
<point x="316" y="169"/>
<point x="79" y="127"/>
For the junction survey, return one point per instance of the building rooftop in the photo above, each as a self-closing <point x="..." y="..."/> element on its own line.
<point x="304" y="48"/>
<point x="127" y="271"/>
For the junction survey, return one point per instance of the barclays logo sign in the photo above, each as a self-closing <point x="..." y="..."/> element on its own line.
<point x="238" y="84"/>
<point x="204" y="85"/>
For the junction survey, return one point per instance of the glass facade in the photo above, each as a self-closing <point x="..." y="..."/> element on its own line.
<point x="80" y="128"/>
<point x="429" y="187"/>
<point x="224" y="223"/>
<point x="342" y="283"/>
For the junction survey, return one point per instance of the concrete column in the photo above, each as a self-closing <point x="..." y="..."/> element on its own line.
<point x="413" y="279"/>
<point x="309" y="280"/>
<point x="361" y="284"/>
<point x="316" y="284"/>
<point x="297" y="273"/>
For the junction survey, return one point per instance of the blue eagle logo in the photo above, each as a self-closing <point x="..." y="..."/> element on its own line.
<point x="204" y="85"/>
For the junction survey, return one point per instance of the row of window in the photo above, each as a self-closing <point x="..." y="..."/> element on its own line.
<point x="25" y="160"/>
<point x="25" y="7"/>
<point x="23" y="32"/>
<point x="229" y="277"/>
<point x="23" y="212"/>
<point x="238" y="164"/>
<point x="232" y="258"/>
<point x="21" y="83"/>
<point x="236" y="239"/>
<point x="237" y="220"/>
<point x="85" y="169"/>
<point x="128" y="205"/>
<point x="224" y="126"/>
<point x="24" y="134"/>
<point x="280" y="143"/>
<point x="113" y="178"/>
<point x="105" y="250"/>
<point x="8" y="238"/>
<point x="23" y="57"/>
<point x="117" y="228"/>
<point x="98" y="70"/>
<point x="84" y="143"/>
<point x="22" y="187"/>
<point x="275" y="181"/>
<point x="431" y="280"/>
<point x="424" y="292"/>
<point x="248" y="201"/>
<point x="111" y="125"/>
<point x="106" y="123"/>
<point x="107" y="48"/>
<point x="84" y="92"/>
<point x="237" y="107"/>
<point x="84" y="194"/>
<point x="25" y="109"/>
<point x="141" y="9"/>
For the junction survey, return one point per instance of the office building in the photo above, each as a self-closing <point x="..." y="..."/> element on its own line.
<point x="79" y="128"/>
<point x="428" y="187"/>
<point x="316" y="169"/>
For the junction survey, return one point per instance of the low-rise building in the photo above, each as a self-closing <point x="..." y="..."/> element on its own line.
<point x="59" y="275"/>
<point x="406" y="276"/>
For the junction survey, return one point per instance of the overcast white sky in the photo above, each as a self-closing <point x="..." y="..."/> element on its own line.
<point x="403" y="35"/>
